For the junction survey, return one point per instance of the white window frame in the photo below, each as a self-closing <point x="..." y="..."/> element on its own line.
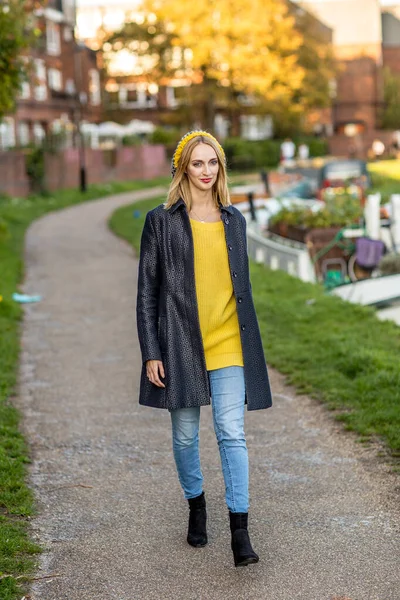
<point x="55" y="79"/>
<point x="67" y="34"/>
<point x="24" y="134"/>
<point x="25" y="92"/>
<point x="70" y="87"/>
<point x="40" y="88"/>
<point x="94" y="87"/>
<point x="53" y="38"/>
<point x="39" y="132"/>
<point x="7" y="133"/>
<point x="170" y="97"/>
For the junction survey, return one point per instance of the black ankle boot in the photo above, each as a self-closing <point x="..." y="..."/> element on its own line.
<point x="243" y="553"/>
<point x="197" y="533"/>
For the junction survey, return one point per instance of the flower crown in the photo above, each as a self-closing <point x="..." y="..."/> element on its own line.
<point x="186" y="138"/>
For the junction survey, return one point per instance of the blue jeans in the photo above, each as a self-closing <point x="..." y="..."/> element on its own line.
<point x="227" y="401"/>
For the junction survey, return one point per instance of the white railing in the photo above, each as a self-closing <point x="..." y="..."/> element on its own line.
<point x="280" y="253"/>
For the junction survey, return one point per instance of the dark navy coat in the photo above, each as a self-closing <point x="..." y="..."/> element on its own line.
<point x="167" y="313"/>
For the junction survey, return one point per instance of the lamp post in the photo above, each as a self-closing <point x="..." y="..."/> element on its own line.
<point x="80" y="100"/>
<point x="79" y="47"/>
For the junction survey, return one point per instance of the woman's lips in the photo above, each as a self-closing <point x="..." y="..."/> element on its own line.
<point x="206" y="180"/>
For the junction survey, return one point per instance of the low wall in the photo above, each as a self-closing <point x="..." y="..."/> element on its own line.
<point x="62" y="168"/>
<point x="13" y="179"/>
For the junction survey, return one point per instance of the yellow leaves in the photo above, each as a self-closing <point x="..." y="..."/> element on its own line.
<point x="252" y="45"/>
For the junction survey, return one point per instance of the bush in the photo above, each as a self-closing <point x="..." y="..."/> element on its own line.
<point x="131" y="140"/>
<point x="162" y="135"/>
<point x="246" y="154"/>
<point x="35" y="169"/>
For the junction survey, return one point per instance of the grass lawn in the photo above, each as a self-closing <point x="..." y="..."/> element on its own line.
<point x="385" y="176"/>
<point x="335" y="351"/>
<point x="17" y="552"/>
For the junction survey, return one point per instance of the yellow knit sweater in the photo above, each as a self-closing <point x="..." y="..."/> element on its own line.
<point x="216" y="302"/>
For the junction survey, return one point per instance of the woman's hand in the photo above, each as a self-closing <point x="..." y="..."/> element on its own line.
<point x="155" y="369"/>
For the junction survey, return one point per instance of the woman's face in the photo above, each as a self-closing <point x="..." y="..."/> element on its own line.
<point x="203" y="167"/>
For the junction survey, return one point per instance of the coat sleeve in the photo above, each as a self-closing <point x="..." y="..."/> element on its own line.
<point x="149" y="278"/>
<point x="244" y="227"/>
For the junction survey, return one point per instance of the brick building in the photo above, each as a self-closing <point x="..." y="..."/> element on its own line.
<point x="357" y="41"/>
<point x="63" y="84"/>
<point x="391" y="38"/>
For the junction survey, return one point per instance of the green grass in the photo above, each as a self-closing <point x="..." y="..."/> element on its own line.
<point x="385" y="177"/>
<point x="337" y="352"/>
<point x="17" y="552"/>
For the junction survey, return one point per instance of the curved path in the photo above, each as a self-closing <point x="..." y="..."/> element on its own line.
<point x="111" y="515"/>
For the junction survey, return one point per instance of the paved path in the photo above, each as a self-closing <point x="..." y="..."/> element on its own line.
<point x="391" y="313"/>
<point x="112" y="518"/>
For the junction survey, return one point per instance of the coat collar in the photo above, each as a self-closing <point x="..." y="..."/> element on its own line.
<point x="181" y="203"/>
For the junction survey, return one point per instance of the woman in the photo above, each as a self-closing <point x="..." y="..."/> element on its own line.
<point x="198" y="330"/>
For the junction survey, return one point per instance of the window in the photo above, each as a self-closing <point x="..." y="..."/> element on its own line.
<point x="25" y="92"/>
<point x="94" y="87"/>
<point x="23" y="133"/>
<point x="40" y="90"/>
<point x="70" y="87"/>
<point x="7" y="133"/>
<point x="256" y="127"/>
<point x="53" y="38"/>
<point x="67" y="34"/>
<point x="55" y="79"/>
<point x="131" y="94"/>
<point x="39" y="132"/>
<point x="170" y="97"/>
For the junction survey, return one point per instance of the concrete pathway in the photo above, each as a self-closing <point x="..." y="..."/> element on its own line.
<point x="391" y="313"/>
<point x="111" y="515"/>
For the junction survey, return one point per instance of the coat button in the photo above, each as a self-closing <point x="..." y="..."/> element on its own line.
<point x="243" y="327"/>
<point x="240" y="299"/>
<point x="229" y="247"/>
<point x="234" y="274"/>
<point x="227" y="221"/>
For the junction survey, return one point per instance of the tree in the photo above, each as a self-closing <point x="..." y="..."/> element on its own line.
<point x="316" y="57"/>
<point x="15" y="28"/>
<point x="245" y="47"/>
<point x="268" y="55"/>
<point x="391" y="111"/>
<point x="152" y="46"/>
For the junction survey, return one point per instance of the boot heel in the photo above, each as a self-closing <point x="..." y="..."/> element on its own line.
<point x="243" y="553"/>
<point x="197" y="529"/>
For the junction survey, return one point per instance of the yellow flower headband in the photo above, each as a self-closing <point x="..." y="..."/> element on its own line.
<point x="186" y="138"/>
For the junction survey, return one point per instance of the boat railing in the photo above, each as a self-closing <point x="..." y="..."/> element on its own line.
<point x="280" y="253"/>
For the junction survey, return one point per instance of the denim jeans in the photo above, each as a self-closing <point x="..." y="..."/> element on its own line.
<point x="227" y="401"/>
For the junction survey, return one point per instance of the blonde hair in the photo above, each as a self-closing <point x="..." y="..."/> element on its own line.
<point x="179" y="187"/>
